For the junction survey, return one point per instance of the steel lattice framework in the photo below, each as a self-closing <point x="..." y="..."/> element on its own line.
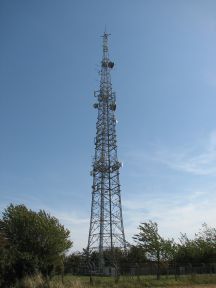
<point x="106" y="224"/>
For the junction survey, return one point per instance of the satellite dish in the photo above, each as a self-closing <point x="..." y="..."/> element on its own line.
<point x="111" y="64"/>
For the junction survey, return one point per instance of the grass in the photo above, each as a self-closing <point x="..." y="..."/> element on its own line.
<point x="201" y="281"/>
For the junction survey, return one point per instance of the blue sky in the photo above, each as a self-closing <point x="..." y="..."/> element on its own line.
<point x="165" y="81"/>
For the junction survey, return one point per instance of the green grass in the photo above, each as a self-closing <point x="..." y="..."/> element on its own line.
<point x="124" y="282"/>
<point x="142" y="281"/>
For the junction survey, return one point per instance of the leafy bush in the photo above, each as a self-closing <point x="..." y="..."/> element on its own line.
<point x="32" y="243"/>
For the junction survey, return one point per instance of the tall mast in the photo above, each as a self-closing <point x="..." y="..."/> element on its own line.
<point x="106" y="230"/>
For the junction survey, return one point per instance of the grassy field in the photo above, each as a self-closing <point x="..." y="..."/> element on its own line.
<point x="193" y="281"/>
<point x="142" y="281"/>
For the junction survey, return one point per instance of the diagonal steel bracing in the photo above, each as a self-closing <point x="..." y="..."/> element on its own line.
<point x="106" y="230"/>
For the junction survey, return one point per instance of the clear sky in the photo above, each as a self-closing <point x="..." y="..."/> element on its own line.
<point x="165" y="82"/>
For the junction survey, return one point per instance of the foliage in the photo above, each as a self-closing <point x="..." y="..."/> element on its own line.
<point x="72" y="263"/>
<point x="206" y="243"/>
<point x="133" y="257"/>
<point x="121" y="260"/>
<point x="36" y="242"/>
<point x="153" y="244"/>
<point x="33" y="247"/>
<point x="136" y="255"/>
<point x="201" y="249"/>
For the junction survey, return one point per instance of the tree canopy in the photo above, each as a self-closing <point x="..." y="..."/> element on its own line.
<point x="201" y="249"/>
<point x="153" y="244"/>
<point x="35" y="241"/>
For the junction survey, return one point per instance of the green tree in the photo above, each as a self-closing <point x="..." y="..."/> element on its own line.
<point x="205" y="241"/>
<point x="187" y="251"/>
<point x="37" y="241"/>
<point x="73" y="262"/>
<point x="154" y="245"/>
<point x="200" y="250"/>
<point x="136" y="255"/>
<point x="6" y="260"/>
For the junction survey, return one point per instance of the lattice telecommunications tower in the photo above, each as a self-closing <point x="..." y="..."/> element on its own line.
<point x="106" y="230"/>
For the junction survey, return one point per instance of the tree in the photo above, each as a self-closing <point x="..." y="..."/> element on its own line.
<point x="37" y="241"/>
<point x="73" y="262"/>
<point x="200" y="250"/>
<point x="136" y="255"/>
<point x="155" y="246"/>
<point x="205" y="241"/>
<point x="7" y="275"/>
